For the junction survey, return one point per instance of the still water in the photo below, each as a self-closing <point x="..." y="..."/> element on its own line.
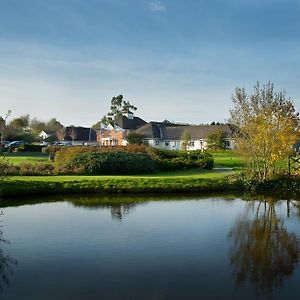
<point x="150" y="248"/>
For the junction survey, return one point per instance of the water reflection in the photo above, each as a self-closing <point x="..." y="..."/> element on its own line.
<point x="6" y="262"/>
<point x="263" y="251"/>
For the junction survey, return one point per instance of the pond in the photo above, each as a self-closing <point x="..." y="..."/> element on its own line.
<point x="149" y="248"/>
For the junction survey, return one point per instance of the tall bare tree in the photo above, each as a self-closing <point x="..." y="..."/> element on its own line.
<point x="73" y="134"/>
<point x="61" y="133"/>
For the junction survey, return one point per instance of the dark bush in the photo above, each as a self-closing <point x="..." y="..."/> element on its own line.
<point x="30" y="148"/>
<point x="108" y="163"/>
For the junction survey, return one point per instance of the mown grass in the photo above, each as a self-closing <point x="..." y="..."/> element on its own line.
<point x="28" y="157"/>
<point x="228" y="159"/>
<point x="111" y="184"/>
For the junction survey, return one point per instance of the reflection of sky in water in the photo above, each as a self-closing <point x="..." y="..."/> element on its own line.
<point x="156" y="250"/>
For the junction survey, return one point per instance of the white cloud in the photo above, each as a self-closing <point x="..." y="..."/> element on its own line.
<point x="157" y="6"/>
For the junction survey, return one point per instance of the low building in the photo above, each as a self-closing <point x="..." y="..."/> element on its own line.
<point x="170" y="136"/>
<point x="81" y="135"/>
<point x="45" y="134"/>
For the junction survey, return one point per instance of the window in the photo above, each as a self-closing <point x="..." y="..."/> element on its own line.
<point x="227" y="144"/>
<point x="192" y="144"/>
<point x="167" y="144"/>
<point x="156" y="143"/>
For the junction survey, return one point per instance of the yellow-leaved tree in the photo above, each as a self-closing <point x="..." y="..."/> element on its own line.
<point x="267" y="126"/>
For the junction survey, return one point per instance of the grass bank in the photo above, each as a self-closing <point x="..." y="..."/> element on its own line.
<point x="176" y="182"/>
<point x="203" y="183"/>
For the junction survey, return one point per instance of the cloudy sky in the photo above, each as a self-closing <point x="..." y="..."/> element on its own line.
<point x="173" y="59"/>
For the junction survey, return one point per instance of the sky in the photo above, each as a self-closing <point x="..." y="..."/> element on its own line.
<point x="173" y="59"/>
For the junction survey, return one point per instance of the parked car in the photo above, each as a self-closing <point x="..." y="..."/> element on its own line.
<point x="15" y="144"/>
<point x="63" y="143"/>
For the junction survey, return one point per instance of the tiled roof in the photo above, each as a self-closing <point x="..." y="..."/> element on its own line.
<point x="163" y="131"/>
<point x="83" y="134"/>
<point x="131" y="124"/>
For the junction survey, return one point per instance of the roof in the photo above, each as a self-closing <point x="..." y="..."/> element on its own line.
<point x="82" y="134"/>
<point x="131" y="124"/>
<point x="163" y="131"/>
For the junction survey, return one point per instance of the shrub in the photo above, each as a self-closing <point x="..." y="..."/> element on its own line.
<point x="30" y="148"/>
<point x="63" y="156"/>
<point x="23" y="169"/>
<point x="165" y="160"/>
<point x="170" y="160"/>
<point x="113" y="163"/>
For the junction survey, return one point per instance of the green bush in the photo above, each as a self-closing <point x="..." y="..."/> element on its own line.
<point x="170" y="160"/>
<point x="25" y="169"/>
<point x="30" y="148"/>
<point x="108" y="163"/>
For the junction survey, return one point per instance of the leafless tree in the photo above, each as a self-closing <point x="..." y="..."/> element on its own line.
<point x="73" y="133"/>
<point x="61" y="134"/>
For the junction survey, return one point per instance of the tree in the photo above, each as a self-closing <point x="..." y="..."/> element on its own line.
<point x="37" y="126"/>
<point x="73" y="133"/>
<point x="215" y="140"/>
<point x="3" y="126"/>
<point x="117" y="108"/>
<point x="186" y="137"/>
<point x="135" y="138"/>
<point x="267" y="127"/>
<point x="20" y="123"/>
<point x="53" y="125"/>
<point x="61" y="133"/>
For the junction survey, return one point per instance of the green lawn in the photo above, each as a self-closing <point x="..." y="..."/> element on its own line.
<point x="28" y="157"/>
<point x="228" y="159"/>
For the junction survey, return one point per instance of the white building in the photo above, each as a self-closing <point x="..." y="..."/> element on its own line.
<point x="169" y="136"/>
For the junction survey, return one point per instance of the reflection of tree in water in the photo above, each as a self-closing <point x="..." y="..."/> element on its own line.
<point x="263" y="250"/>
<point x="118" y="212"/>
<point x="119" y="209"/>
<point x="6" y="262"/>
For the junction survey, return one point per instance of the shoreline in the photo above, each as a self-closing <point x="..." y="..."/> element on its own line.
<point x="107" y="185"/>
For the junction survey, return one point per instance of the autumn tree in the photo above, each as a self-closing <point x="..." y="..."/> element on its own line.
<point x="186" y="137"/>
<point x="267" y="127"/>
<point x="215" y="140"/>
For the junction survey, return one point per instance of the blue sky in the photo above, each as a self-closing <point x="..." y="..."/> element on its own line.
<point x="179" y="60"/>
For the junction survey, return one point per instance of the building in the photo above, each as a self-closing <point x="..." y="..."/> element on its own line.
<point x="170" y="136"/>
<point x="81" y="135"/>
<point x="45" y="134"/>
<point x="115" y="134"/>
